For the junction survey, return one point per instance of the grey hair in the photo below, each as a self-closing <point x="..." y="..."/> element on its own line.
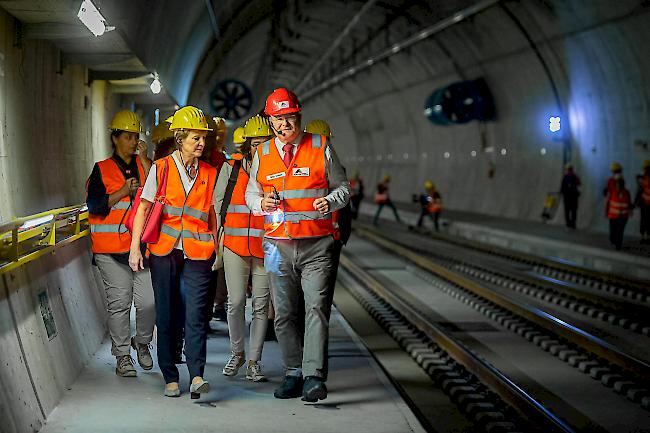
<point x="179" y="136"/>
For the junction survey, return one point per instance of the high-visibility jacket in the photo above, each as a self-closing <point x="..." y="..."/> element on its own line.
<point x="108" y="233"/>
<point x="434" y="203"/>
<point x="619" y="204"/>
<point x="186" y="216"/>
<point x="243" y="231"/>
<point x="298" y="186"/>
<point x="644" y="182"/>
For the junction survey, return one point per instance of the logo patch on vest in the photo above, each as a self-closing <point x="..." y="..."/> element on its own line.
<point x="276" y="175"/>
<point x="300" y="171"/>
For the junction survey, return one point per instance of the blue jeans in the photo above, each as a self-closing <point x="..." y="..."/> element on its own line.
<point x="166" y="274"/>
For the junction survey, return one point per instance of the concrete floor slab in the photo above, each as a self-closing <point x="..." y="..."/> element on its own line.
<point x="361" y="398"/>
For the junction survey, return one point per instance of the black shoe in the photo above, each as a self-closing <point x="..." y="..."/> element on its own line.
<point x="291" y="387"/>
<point x="220" y="314"/>
<point x="314" y="389"/>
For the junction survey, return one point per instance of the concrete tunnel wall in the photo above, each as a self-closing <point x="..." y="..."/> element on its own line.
<point x="53" y="126"/>
<point x="596" y="57"/>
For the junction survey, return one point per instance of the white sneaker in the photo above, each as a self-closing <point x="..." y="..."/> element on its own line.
<point x="254" y="372"/>
<point x="234" y="364"/>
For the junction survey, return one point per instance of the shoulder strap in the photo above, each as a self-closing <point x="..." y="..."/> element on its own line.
<point x="162" y="186"/>
<point x="232" y="181"/>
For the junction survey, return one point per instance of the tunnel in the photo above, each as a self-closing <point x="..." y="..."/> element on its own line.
<point x="491" y="101"/>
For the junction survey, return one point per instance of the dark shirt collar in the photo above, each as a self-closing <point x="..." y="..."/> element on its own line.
<point x="129" y="170"/>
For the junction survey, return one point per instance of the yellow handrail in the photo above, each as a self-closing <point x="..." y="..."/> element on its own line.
<point x="28" y="238"/>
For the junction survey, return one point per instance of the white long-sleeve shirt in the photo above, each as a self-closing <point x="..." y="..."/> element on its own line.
<point x="337" y="181"/>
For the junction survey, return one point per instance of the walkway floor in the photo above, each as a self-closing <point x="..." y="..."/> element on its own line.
<point x="361" y="398"/>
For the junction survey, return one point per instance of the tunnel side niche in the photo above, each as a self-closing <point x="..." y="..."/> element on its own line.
<point x="40" y="362"/>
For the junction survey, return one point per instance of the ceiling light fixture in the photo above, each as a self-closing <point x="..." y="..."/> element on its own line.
<point x="89" y="15"/>
<point x="155" y="85"/>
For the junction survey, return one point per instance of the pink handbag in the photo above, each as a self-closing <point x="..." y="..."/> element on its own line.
<point x="151" y="229"/>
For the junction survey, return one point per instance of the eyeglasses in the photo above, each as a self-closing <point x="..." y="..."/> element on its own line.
<point x="285" y="118"/>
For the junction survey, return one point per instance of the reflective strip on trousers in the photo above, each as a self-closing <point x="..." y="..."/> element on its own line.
<point x="186" y="210"/>
<point x="244" y="232"/>
<point x="303" y="193"/>
<point x="169" y="231"/>
<point x="108" y="228"/>
<point x="121" y="205"/>
<point x="279" y="217"/>
<point x="238" y="208"/>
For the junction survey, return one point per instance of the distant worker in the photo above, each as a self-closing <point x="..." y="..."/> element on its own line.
<point x="296" y="182"/>
<point x="243" y="256"/>
<point x="570" y="190"/>
<point x="356" y="194"/>
<point x="431" y="204"/>
<point x="163" y="140"/>
<point x="382" y="198"/>
<point x="618" y="208"/>
<point x="185" y="249"/>
<point x="110" y="189"/>
<point x="642" y="200"/>
<point x="617" y="173"/>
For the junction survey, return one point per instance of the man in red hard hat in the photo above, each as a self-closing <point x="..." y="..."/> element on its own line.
<point x="296" y="182"/>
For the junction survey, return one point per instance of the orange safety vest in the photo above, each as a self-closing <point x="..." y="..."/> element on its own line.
<point x="184" y="215"/>
<point x="644" y="181"/>
<point x="108" y="233"/>
<point x="243" y="231"/>
<point x="435" y="205"/>
<point x="618" y="204"/>
<point x="298" y="186"/>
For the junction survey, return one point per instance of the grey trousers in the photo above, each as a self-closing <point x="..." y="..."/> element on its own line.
<point x="124" y="288"/>
<point x="293" y="266"/>
<point x="237" y="270"/>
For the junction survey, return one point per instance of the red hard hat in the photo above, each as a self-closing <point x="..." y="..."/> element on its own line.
<point x="282" y="101"/>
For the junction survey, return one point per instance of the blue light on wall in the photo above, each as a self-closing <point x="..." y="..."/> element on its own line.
<point x="554" y="123"/>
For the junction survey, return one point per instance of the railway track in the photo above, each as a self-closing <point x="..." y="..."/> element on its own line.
<point x="414" y="294"/>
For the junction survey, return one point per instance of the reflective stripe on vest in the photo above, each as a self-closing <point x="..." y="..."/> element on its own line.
<point x="243" y="231"/>
<point x="618" y="205"/>
<point x="296" y="218"/>
<point x="108" y="233"/>
<point x="238" y="208"/>
<point x="185" y="216"/>
<point x="179" y="211"/>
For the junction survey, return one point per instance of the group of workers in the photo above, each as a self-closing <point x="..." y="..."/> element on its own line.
<point x="619" y="203"/>
<point x="430" y="202"/>
<point x="272" y="215"/>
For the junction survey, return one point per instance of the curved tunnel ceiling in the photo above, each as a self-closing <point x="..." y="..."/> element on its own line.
<point x="586" y="65"/>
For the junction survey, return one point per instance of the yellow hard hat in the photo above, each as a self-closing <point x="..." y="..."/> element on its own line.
<point x="429" y="185"/>
<point x="320" y="127"/>
<point x="126" y="120"/>
<point x="615" y="166"/>
<point x="387" y="178"/>
<point x="189" y="118"/>
<point x="238" y="136"/>
<point x="217" y="124"/>
<point x="646" y="163"/>
<point x="257" y="126"/>
<point x="161" y="132"/>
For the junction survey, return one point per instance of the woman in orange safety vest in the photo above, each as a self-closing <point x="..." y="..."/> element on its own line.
<point x="618" y="208"/>
<point x="110" y="189"/>
<point x="185" y="249"/>
<point x="243" y="256"/>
